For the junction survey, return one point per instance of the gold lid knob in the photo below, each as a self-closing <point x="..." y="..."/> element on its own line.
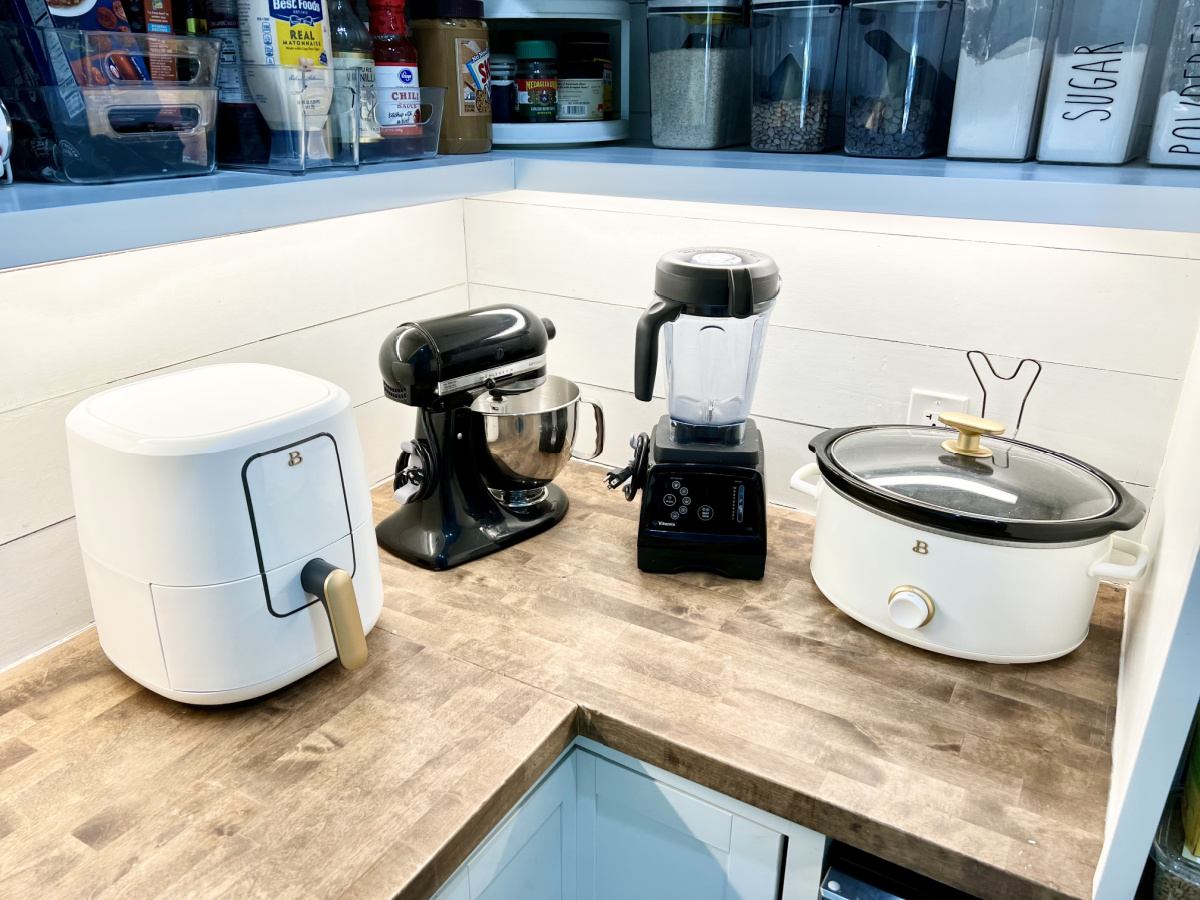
<point x="969" y="430"/>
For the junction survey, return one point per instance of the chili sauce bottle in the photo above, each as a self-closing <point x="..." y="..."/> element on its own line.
<point x="397" y="91"/>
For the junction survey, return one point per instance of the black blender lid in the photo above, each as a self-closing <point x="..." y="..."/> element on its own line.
<point x="995" y="488"/>
<point x="445" y="9"/>
<point x="718" y="281"/>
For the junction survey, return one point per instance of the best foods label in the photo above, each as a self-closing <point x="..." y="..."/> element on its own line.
<point x="299" y="35"/>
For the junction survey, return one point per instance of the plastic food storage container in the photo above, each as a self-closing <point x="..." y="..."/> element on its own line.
<point x="1176" y="877"/>
<point x="1176" y="136"/>
<point x="1001" y="76"/>
<point x="83" y="112"/>
<point x="1095" y="95"/>
<point x="899" y="83"/>
<point x="794" y="47"/>
<point x="699" y="74"/>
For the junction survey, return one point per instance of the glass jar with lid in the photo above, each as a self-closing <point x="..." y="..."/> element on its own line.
<point x="794" y="48"/>
<point x="537" y="81"/>
<point x="1176" y="138"/>
<point x="1095" y="95"/>
<point x="699" y="74"/>
<point x="899" y="88"/>
<point x="1001" y="78"/>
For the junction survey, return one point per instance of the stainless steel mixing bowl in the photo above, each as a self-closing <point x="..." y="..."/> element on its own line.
<point x="529" y="437"/>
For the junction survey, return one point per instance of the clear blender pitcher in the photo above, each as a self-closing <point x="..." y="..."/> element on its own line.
<point x="713" y="305"/>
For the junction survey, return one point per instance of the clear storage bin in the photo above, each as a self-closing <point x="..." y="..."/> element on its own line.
<point x="1176" y="877"/>
<point x="1001" y="77"/>
<point x="1095" y="98"/>
<point x="1176" y="136"/>
<point x="794" y="46"/>
<point x="699" y="74"/>
<point x="900" y="78"/>
<point x="315" y="120"/>
<point x="83" y="113"/>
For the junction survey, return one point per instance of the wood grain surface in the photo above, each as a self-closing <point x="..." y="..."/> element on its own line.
<point x="378" y="783"/>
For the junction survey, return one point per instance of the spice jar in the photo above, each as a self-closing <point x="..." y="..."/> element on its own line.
<point x="1176" y="140"/>
<point x="898" y="96"/>
<point x="452" y="45"/>
<point x="1095" y="90"/>
<point x="795" y="48"/>
<point x="586" y="61"/>
<point x="504" y="87"/>
<point x="1001" y="74"/>
<point x="537" y="81"/>
<point x="699" y="74"/>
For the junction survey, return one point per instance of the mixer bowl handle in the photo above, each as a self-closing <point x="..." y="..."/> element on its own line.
<point x="599" y="410"/>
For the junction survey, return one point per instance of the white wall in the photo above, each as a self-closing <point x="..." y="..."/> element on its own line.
<point x="872" y="306"/>
<point x="1160" y="665"/>
<point x="318" y="297"/>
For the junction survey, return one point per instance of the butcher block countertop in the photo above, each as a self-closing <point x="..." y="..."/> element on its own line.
<point x="377" y="783"/>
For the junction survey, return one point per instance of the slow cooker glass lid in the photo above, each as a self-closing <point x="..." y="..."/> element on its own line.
<point x="1019" y="483"/>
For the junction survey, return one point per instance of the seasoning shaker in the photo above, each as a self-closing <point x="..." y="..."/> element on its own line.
<point x="1001" y="80"/>
<point x="537" y="81"/>
<point x="1176" y="136"/>
<point x="452" y="45"/>
<point x="699" y="74"/>
<point x="1095" y="97"/>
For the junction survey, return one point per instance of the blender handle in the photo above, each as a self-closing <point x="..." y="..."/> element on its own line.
<point x="599" y="411"/>
<point x="645" y="358"/>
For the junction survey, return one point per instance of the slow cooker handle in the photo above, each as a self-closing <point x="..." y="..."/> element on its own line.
<point x="801" y="482"/>
<point x="335" y="589"/>
<point x="1116" y="572"/>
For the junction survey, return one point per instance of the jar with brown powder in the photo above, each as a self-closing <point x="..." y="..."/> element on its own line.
<point x="452" y="46"/>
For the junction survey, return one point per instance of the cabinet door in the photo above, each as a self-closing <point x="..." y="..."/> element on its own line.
<point x="531" y="856"/>
<point x="654" y="842"/>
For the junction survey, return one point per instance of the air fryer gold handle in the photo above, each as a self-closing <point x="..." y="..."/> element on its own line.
<point x="969" y="430"/>
<point x="334" y="588"/>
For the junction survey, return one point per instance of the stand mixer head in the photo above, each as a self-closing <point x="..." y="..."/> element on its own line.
<point x="494" y="430"/>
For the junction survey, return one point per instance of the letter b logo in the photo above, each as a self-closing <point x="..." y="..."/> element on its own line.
<point x="294" y="458"/>
<point x="921" y="547"/>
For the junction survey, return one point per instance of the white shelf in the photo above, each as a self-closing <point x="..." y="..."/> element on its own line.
<point x="556" y="9"/>
<point x="559" y="133"/>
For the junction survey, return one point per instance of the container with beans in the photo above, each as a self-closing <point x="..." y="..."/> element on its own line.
<point x="900" y="76"/>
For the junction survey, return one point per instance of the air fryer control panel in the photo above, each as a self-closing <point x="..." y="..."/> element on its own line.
<point x="699" y="501"/>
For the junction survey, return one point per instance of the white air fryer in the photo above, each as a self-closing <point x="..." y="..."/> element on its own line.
<point x="225" y="522"/>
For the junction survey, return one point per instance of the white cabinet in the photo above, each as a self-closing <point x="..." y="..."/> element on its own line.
<point x="531" y="854"/>
<point x="603" y="826"/>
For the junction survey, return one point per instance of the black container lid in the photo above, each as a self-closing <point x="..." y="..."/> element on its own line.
<point x="445" y="9"/>
<point x="718" y="281"/>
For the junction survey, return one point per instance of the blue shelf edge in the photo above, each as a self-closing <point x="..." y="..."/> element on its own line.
<point x="42" y="223"/>
<point x="1133" y="196"/>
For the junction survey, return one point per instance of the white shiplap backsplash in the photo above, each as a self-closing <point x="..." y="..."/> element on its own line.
<point x="872" y="307"/>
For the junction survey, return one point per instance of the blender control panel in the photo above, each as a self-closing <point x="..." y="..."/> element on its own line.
<point x="701" y="501"/>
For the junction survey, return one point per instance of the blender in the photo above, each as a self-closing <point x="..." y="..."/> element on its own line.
<point x="700" y="471"/>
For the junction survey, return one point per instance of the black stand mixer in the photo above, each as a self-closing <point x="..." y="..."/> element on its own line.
<point x="494" y="429"/>
<point x="701" y="468"/>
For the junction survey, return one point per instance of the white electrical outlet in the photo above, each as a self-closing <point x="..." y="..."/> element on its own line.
<point x="925" y="406"/>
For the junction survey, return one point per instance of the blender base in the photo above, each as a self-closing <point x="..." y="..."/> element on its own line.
<point x="704" y="507"/>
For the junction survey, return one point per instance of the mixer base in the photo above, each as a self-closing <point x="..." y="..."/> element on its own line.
<point x="427" y="535"/>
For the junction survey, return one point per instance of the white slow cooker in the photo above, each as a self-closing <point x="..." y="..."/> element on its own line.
<point x="984" y="550"/>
